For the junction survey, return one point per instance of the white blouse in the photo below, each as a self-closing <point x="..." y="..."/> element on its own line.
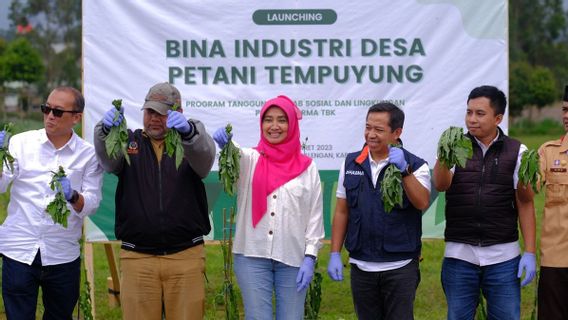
<point x="293" y="223"/>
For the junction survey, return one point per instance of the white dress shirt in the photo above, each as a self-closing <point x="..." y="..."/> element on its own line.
<point x="28" y="227"/>
<point x="293" y="223"/>
<point x="497" y="253"/>
<point x="422" y="175"/>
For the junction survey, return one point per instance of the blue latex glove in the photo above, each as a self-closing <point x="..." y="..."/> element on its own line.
<point x="66" y="187"/>
<point x="528" y="264"/>
<point x="396" y="157"/>
<point x="177" y="121"/>
<point x="335" y="267"/>
<point x="305" y="274"/>
<point x="2" y="136"/>
<point x="108" y="118"/>
<point x="221" y="137"/>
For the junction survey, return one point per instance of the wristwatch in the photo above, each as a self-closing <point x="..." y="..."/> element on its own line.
<point x="406" y="172"/>
<point x="74" y="197"/>
<point x="311" y="256"/>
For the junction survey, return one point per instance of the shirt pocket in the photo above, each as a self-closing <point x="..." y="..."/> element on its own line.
<point x="556" y="194"/>
<point x="296" y="197"/>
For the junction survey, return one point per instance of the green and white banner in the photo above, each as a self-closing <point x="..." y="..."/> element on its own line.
<point x="333" y="58"/>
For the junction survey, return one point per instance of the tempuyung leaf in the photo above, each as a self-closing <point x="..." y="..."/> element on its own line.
<point x="391" y="188"/>
<point x="116" y="141"/>
<point x="229" y="165"/>
<point x="57" y="208"/>
<point x="529" y="171"/>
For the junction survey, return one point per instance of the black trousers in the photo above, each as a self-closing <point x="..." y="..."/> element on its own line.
<point x="553" y="294"/>
<point x="385" y="295"/>
<point x="59" y="284"/>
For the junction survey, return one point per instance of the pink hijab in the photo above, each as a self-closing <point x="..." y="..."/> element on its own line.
<point x="278" y="163"/>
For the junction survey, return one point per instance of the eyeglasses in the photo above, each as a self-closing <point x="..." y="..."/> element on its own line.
<point x="56" y="112"/>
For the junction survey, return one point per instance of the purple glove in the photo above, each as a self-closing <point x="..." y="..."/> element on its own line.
<point x="177" y="121"/>
<point x="108" y="118"/>
<point x="221" y="137"/>
<point x="66" y="187"/>
<point x="528" y="264"/>
<point x="2" y="136"/>
<point x="396" y="157"/>
<point x="305" y="274"/>
<point x="335" y="267"/>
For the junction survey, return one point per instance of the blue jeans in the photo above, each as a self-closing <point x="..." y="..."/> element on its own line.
<point x="59" y="285"/>
<point x="258" y="278"/>
<point x="463" y="281"/>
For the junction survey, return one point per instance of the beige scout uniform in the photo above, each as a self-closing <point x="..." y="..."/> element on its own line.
<point x="554" y="235"/>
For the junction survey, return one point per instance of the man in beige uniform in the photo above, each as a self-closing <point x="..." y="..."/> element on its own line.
<point x="553" y="284"/>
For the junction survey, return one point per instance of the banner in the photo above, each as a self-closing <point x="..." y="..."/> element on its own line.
<point x="334" y="59"/>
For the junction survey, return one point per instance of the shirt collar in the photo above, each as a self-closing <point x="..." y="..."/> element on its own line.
<point x="493" y="141"/>
<point x="376" y="163"/>
<point x="71" y="143"/>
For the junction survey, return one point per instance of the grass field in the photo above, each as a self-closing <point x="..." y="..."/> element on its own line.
<point x="336" y="296"/>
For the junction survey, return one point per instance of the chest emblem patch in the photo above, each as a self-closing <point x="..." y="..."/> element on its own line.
<point x="132" y="148"/>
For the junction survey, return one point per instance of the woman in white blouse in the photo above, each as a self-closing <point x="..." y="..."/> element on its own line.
<point x="279" y="224"/>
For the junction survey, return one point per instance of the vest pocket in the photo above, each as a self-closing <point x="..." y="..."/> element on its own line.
<point x="352" y="242"/>
<point x="352" y="192"/>
<point x="398" y="238"/>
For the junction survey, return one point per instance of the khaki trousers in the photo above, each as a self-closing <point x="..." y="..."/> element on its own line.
<point x="175" y="281"/>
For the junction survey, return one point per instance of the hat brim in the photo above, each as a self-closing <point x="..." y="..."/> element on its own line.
<point x="159" y="107"/>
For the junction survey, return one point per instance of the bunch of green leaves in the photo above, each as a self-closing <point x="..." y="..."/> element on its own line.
<point x="116" y="141"/>
<point x="173" y="143"/>
<point x="313" y="297"/>
<point x="454" y="148"/>
<point x="529" y="170"/>
<point x="6" y="158"/>
<point x="229" y="165"/>
<point x="391" y="188"/>
<point x="57" y="208"/>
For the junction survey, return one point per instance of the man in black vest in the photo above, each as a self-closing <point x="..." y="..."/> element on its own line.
<point x="161" y="210"/>
<point x="484" y="201"/>
<point x="384" y="247"/>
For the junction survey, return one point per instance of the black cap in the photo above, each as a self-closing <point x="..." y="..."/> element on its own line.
<point x="565" y="94"/>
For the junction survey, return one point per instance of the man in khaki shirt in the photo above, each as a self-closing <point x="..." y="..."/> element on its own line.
<point x="553" y="284"/>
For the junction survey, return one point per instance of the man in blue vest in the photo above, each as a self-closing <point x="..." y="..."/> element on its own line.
<point x="484" y="201"/>
<point x="384" y="247"/>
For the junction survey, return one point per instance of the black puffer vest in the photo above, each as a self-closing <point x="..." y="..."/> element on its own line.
<point x="480" y="203"/>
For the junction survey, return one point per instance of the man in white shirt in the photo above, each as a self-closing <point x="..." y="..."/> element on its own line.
<point x="39" y="252"/>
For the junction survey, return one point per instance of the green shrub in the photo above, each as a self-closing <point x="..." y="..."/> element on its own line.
<point x="545" y="127"/>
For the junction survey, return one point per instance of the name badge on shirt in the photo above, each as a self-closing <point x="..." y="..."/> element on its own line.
<point x="557" y="169"/>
